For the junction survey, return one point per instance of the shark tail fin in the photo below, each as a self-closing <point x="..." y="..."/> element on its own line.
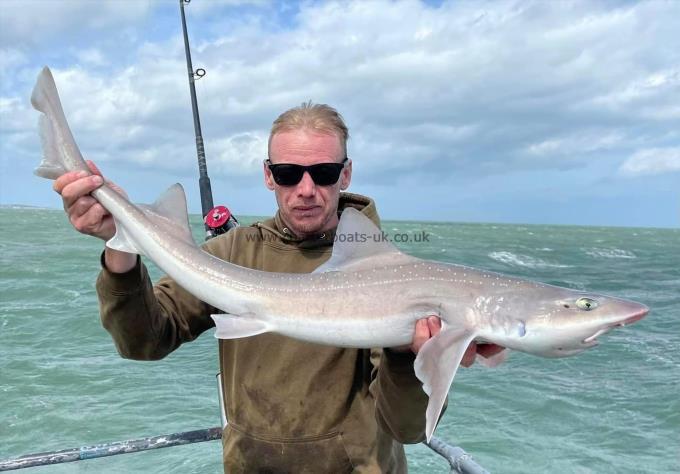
<point x="51" y="165"/>
<point x="55" y="133"/>
<point x="436" y="366"/>
<point x="168" y="214"/>
<point x="44" y="91"/>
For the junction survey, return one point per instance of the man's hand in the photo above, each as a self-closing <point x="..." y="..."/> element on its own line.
<point x="89" y="217"/>
<point x="425" y="329"/>
<point x="86" y="215"/>
<point x="430" y="327"/>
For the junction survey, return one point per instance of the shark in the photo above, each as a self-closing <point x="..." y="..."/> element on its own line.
<point x="368" y="294"/>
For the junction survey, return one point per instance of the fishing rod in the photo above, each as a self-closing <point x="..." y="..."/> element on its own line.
<point x="216" y="219"/>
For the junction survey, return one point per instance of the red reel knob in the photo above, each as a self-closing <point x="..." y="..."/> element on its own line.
<point x="217" y="217"/>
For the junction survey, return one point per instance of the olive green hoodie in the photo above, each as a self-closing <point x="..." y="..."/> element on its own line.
<point x="291" y="406"/>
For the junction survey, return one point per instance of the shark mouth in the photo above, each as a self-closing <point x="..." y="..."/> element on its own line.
<point x="635" y="317"/>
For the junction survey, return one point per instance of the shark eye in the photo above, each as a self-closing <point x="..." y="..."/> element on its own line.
<point x="586" y="304"/>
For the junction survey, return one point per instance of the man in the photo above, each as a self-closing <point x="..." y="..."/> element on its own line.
<point x="292" y="406"/>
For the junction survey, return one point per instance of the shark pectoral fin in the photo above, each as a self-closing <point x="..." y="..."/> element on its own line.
<point x="230" y="326"/>
<point x="436" y="366"/>
<point x="122" y="241"/>
<point x="494" y="360"/>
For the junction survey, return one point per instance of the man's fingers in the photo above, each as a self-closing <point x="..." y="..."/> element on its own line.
<point x="421" y="335"/>
<point x="97" y="215"/>
<point x="67" y="178"/>
<point x="111" y="184"/>
<point x="82" y="205"/>
<point x="116" y="188"/>
<point x="434" y="325"/>
<point x="469" y="356"/>
<point x="84" y="212"/>
<point x="74" y="190"/>
<point x="426" y="328"/>
<point x="91" y="221"/>
<point x="93" y="167"/>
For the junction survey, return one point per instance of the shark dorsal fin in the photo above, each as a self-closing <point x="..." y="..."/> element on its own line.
<point x="359" y="243"/>
<point x="168" y="213"/>
<point x="172" y="205"/>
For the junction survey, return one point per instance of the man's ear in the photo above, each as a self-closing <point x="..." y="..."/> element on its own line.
<point x="346" y="175"/>
<point x="268" y="178"/>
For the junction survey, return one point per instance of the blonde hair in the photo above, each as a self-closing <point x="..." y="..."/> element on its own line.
<point x="319" y="117"/>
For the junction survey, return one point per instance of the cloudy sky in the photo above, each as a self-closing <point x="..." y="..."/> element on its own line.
<point x="533" y="112"/>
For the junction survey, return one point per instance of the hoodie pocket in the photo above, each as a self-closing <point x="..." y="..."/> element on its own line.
<point x="243" y="452"/>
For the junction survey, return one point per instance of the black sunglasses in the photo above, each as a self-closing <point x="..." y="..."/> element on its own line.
<point x="289" y="174"/>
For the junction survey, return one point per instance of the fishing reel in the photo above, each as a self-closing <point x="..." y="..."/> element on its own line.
<point x="219" y="220"/>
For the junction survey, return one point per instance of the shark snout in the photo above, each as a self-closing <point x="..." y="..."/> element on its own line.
<point x="637" y="314"/>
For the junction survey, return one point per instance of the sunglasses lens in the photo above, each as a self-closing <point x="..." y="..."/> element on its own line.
<point x="325" y="174"/>
<point x="287" y="175"/>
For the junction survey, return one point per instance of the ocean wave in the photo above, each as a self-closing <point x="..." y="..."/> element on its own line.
<point x="609" y="253"/>
<point x="510" y="258"/>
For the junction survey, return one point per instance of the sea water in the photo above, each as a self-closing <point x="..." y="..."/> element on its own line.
<point x="614" y="408"/>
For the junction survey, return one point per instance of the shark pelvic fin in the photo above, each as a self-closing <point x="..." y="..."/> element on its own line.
<point x="122" y="241"/>
<point x="168" y="214"/>
<point x="436" y="366"/>
<point x="359" y="243"/>
<point x="230" y="326"/>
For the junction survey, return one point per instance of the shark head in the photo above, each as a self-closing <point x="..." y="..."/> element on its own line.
<point x="558" y="322"/>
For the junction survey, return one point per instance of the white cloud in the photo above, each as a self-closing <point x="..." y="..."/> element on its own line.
<point x="471" y="85"/>
<point x="525" y="77"/>
<point x="11" y="58"/>
<point x="652" y="161"/>
<point x="15" y="116"/>
<point x="32" y="21"/>
<point x="577" y="145"/>
<point x="655" y="84"/>
<point x="240" y="153"/>
<point x="91" y="57"/>
<point x="211" y="6"/>
<point x="457" y="95"/>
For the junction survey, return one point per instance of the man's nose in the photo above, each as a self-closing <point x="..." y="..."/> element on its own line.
<point x="306" y="186"/>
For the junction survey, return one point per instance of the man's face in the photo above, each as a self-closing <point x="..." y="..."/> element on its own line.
<point x="307" y="208"/>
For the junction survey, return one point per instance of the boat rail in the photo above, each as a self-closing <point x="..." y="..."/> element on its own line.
<point x="459" y="461"/>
